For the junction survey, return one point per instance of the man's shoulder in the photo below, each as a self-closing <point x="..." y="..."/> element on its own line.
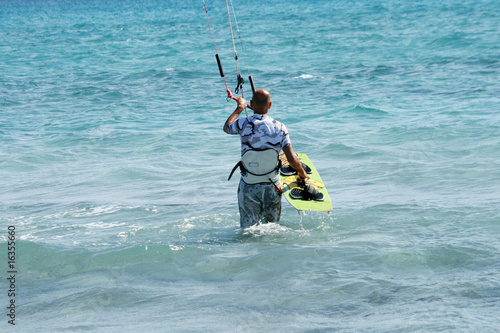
<point x="277" y="123"/>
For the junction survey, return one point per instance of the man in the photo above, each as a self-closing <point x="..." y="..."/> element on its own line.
<point x="262" y="138"/>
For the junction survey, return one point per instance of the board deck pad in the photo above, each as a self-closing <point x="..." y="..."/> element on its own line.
<point x="290" y="182"/>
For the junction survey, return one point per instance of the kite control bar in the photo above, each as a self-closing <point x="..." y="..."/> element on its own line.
<point x="250" y="78"/>
<point x="229" y="93"/>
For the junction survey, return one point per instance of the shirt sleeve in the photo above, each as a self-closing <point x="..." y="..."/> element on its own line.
<point x="236" y="127"/>
<point x="285" y="138"/>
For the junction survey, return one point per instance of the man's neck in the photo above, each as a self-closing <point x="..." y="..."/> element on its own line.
<point x="263" y="114"/>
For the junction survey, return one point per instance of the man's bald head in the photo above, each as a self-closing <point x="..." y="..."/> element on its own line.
<point x="261" y="101"/>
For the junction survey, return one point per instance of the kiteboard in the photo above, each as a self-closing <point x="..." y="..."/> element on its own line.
<point x="292" y="186"/>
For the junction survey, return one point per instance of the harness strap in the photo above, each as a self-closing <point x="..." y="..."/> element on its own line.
<point x="243" y="169"/>
<point x="239" y="164"/>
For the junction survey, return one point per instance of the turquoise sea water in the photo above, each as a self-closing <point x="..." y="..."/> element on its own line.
<point x="113" y="167"/>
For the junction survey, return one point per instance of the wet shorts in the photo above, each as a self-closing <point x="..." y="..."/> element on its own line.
<point x="258" y="203"/>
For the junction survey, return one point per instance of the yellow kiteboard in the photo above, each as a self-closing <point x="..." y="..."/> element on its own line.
<point x="291" y="183"/>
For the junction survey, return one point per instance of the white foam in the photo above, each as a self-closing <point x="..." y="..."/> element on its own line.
<point x="266" y="229"/>
<point x="175" y="247"/>
<point x="308" y="76"/>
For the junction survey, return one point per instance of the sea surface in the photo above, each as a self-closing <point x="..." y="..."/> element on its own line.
<point x="114" y="166"/>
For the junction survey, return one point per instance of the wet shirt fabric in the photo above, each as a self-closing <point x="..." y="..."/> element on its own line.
<point x="260" y="132"/>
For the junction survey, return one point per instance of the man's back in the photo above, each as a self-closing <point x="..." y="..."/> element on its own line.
<point x="259" y="132"/>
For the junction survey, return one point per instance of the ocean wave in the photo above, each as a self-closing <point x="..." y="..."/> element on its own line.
<point x="367" y="111"/>
<point x="309" y="77"/>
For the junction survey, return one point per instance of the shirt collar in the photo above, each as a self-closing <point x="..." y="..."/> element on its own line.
<point x="260" y="116"/>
